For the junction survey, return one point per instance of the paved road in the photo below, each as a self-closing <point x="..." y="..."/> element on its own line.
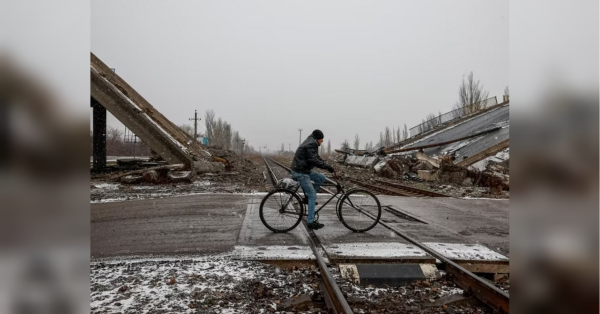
<point x="210" y="223"/>
<point x="179" y="225"/>
<point x="472" y="126"/>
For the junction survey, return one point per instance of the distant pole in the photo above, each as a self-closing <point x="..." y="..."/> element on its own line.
<point x="300" y="138"/>
<point x="289" y="147"/>
<point x="243" y="143"/>
<point x="195" y="119"/>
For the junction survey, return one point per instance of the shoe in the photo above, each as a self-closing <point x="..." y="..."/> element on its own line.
<point x="305" y="201"/>
<point x="315" y="226"/>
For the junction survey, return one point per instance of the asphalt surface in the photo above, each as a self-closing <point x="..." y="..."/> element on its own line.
<point x="471" y="146"/>
<point x="456" y="220"/>
<point x="210" y="223"/>
<point x="194" y="224"/>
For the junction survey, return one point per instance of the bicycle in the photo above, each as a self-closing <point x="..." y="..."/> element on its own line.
<point x="282" y="209"/>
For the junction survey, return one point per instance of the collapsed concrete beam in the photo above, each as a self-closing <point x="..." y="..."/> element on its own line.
<point x="491" y="151"/>
<point x="137" y="121"/>
<point x="433" y="161"/>
<point x="388" y="150"/>
<point x="361" y="161"/>
<point x="143" y="105"/>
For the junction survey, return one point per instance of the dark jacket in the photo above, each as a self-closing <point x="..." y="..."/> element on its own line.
<point x="307" y="157"/>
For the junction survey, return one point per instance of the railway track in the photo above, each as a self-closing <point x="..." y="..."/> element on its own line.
<point x="334" y="299"/>
<point x="391" y="188"/>
<point x="483" y="290"/>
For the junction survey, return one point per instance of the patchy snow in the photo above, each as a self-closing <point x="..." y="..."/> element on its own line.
<point x="457" y="251"/>
<point x="220" y="284"/>
<point x="499" y="157"/>
<point x="482" y="198"/>
<point x="375" y="250"/>
<point x="202" y="183"/>
<point x="273" y="252"/>
<point x="109" y="200"/>
<point x="107" y="186"/>
<point x="215" y="284"/>
<point x="144" y="187"/>
<point x="444" y="291"/>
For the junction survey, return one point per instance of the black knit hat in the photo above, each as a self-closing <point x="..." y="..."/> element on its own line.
<point x="318" y="134"/>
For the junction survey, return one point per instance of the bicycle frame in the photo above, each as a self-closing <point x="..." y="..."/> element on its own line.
<point x="340" y="191"/>
<point x="340" y="194"/>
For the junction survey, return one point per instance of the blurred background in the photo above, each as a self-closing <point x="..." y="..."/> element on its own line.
<point x="554" y="117"/>
<point x="44" y="167"/>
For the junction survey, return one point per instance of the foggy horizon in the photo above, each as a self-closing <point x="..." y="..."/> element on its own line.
<point x="270" y="68"/>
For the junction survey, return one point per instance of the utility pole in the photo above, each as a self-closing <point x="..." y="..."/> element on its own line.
<point x="289" y="147"/>
<point x="243" y="143"/>
<point x="195" y="119"/>
<point x="300" y="138"/>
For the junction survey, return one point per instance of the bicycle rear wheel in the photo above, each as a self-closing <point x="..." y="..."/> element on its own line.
<point x="359" y="210"/>
<point x="281" y="210"/>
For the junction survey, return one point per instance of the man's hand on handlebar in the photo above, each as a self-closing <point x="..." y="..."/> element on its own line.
<point x="335" y="176"/>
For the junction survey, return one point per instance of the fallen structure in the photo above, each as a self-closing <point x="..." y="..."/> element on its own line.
<point x="110" y="92"/>
<point x="447" y="154"/>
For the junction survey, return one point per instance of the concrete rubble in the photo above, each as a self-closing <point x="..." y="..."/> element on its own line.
<point x="416" y="167"/>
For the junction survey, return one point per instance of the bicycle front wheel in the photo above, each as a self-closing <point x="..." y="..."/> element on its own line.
<point x="281" y="210"/>
<point x="359" y="210"/>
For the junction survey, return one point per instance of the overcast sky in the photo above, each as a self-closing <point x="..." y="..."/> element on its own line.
<point x="272" y="67"/>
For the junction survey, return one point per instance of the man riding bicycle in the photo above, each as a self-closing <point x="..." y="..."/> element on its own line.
<point x="306" y="158"/>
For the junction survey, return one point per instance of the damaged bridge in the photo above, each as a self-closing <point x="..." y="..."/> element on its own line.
<point x="110" y="92"/>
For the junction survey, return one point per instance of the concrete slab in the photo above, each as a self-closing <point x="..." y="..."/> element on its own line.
<point x="377" y="253"/>
<point x="361" y="161"/>
<point x="374" y="250"/>
<point x="254" y="233"/>
<point x="466" y="252"/>
<point x="387" y="274"/>
<point x="475" y="221"/>
<point x="273" y="252"/>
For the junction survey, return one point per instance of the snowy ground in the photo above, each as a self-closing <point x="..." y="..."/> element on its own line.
<point x="219" y="284"/>
<point x="499" y="157"/>
<point x="106" y="192"/>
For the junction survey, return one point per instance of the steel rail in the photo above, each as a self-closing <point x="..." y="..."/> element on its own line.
<point x="486" y="292"/>
<point x="271" y="173"/>
<point x="340" y="305"/>
<point x="382" y="189"/>
<point x="411" y="189"/>
<point x="332" y="291"/>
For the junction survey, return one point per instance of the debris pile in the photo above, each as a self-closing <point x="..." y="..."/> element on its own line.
<point x="229" y="173"/>
<point x="488" y="178"/>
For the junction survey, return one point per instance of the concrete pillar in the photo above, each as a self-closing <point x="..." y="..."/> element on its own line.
<point x="99" y="135"/>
